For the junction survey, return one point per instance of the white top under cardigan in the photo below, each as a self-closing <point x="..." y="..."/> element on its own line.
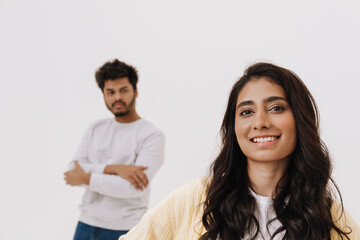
<point x="110" y="201"/>
<point x="265" y="211"/>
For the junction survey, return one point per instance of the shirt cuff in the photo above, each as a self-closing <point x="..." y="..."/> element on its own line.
<point x="95" y="182"/>
<point x="98" y="168"/>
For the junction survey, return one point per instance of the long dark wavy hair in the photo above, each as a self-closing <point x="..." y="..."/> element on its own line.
<point x="304" y="200"/>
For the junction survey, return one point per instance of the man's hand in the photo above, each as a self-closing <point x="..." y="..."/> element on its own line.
<point x="77" y="176"/>
<point x="134" y="174"/>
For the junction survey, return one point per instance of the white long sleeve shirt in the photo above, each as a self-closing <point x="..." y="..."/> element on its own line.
<point x="110" y="201"/>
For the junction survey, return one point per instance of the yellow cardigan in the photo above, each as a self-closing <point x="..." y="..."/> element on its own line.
<point x="178" y="217"/>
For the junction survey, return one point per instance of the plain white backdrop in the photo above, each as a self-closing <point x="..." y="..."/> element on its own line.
<point x="188" y="54"/>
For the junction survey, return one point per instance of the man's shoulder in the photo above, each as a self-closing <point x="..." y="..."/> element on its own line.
<point x="98" y="125"/>
<point x="100" y="122"/>
<point x="148" y="128"/>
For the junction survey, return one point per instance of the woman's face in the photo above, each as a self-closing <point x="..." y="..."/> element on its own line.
<point x="264" y="122"/>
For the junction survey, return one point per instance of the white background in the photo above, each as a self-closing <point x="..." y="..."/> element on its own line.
<point x="188" y="53"/>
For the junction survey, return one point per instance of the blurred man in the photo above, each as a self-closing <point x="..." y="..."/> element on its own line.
<point x="116" y="159"/>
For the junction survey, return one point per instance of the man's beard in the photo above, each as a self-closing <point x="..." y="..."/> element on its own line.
<point x="121" y="114"/>
<point x="127" y="108"/>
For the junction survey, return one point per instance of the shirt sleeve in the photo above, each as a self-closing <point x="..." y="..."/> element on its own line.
<point x="151" y="154"/>
<point x="81" y="155"/>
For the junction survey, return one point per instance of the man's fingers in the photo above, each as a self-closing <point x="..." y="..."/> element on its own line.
<point x="139" y="182"/>
<point x="67" y="181"/>
<point x="138" y="178"/>
<point x="77" y="165"/>
<point x="135" y="183"/>
<point x="143" y="168"/>
<point x="142" y="178"/>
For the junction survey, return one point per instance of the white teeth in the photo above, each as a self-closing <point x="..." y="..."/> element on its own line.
<point x="266" y="139"/>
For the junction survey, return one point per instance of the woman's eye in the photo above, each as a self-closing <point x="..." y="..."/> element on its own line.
<point x="245" y="112"/>
<point x="277" y="109"/>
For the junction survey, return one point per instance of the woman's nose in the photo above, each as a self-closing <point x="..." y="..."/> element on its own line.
<point x="261" y="120"/>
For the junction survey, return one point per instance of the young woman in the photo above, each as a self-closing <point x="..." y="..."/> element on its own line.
<point x="272" y="178"/>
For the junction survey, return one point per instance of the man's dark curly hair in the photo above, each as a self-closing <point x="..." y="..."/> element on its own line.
<point x="114" y="70"/>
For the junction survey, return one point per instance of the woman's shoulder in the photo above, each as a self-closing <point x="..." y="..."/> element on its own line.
<point x="193" y="191"/>
<point x="178" y="216"/>
<point x="344" y="221"/>
<point x="199" y="183"/>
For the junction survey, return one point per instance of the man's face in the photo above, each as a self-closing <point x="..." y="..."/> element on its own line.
<point x="119" y="96"/>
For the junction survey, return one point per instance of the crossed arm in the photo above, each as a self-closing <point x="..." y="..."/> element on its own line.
<point x="118" y="180"/>
<point x="132" y="173"/>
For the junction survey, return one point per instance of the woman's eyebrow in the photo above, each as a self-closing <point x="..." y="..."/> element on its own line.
<point x="248" y="102"/>
<point x="269" y="99"/>
<point x="274" y="98"/>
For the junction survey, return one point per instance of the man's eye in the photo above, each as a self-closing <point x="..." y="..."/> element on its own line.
<point x="124" y="90"/>
<point x="245" y="112"/>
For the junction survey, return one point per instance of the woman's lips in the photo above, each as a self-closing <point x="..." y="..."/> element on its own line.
<point x="264" y="141"/>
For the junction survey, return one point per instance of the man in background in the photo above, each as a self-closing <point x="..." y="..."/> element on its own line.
<point x="116" y="159"/>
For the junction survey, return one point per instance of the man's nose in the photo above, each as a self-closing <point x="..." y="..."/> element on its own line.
<point x="118" y="96"/>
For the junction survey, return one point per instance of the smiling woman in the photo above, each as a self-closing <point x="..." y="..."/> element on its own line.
<point x="272" y="178"/>
<point x="266" y="133"/>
